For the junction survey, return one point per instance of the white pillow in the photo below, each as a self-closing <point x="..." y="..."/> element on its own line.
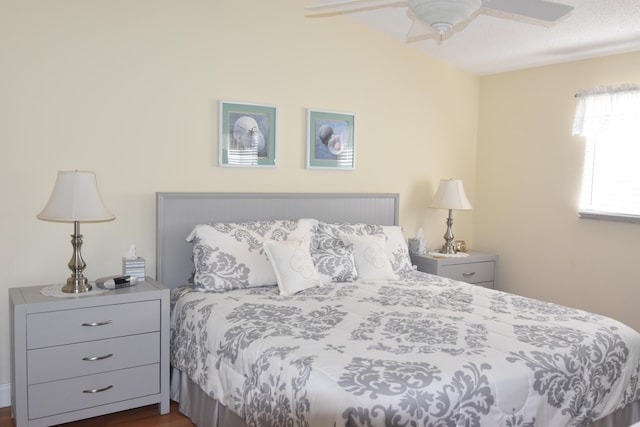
<point x="397" y="249"/>
<point x="337" y="268"/>
<point x="230" y="255"/>
<point x="292" y="264"/>
<point x="370" y="254"/>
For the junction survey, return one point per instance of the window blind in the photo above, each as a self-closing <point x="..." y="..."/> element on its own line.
<point x="609" y="118"/>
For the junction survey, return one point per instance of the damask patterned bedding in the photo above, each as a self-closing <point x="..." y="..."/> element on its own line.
<point x="418" y="350"/>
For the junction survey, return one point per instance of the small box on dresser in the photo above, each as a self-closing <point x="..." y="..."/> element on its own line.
<point x="84" y="356"/>
<point x="477" y="268"/>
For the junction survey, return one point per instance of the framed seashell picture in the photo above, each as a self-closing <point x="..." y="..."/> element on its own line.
<point x="330" y="140"/>
<point x="247" y="134"/>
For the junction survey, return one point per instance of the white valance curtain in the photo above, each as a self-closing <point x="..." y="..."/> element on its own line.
<point x="610" y="109"/>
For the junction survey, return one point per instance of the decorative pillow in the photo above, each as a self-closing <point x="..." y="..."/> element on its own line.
<point x="332" y="258"/>
<point x="231" y="256"/>
<point x="370" y="253"/>
<point x="397" y="248"/>
<point x="291" y="261"/>
<point x="327" y="238"/>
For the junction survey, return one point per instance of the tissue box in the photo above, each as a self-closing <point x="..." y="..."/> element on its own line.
<point x="417" y="246"/>
<point x="133" y="267"/>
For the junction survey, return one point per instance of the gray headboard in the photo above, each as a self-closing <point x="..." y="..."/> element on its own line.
<point x="177" y="213"/>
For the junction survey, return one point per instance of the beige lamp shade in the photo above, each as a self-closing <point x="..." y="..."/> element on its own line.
<point x="75" y="197"/>
<point x="450" y="195"/>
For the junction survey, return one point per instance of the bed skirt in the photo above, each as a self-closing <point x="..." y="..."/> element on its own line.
<point x="205" y="411"/>
<point x="201" y="409"/>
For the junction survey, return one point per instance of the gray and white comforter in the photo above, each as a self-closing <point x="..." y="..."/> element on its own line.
<point x="422" y="351"/>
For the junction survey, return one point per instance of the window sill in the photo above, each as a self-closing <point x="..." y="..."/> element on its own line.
<point x="610" y="216"/>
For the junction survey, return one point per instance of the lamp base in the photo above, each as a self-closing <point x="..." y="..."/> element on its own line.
<point x="76" y="286"/>
<point x="76" y="283"/>
<point x="449" y="246"/>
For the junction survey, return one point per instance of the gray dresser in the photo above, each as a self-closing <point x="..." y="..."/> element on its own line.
<point x="477" y="268"/>
<point x="81" y="357"/>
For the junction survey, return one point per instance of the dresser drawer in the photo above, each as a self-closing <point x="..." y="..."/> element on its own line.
<point x="57" y="397"/>
<point x="471" y="272"/>
<point x="93" y="323"/>
<point x="92" y="357"/>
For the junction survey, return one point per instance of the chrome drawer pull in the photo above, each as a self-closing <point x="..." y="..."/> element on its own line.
<point x="469" y="274"/>
<point x="106" y="322"/>
<point x="97" y="390"/>
<point x="94" y="358"/>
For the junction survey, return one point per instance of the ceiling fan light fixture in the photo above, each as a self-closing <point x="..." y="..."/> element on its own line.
<point x="441" y="27"/>
<point x="444" y="14"/>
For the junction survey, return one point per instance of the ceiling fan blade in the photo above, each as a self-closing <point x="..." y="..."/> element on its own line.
<point x="418" y="30"/>
<point x="537" y="9"/>
<point x="341" y="4"/>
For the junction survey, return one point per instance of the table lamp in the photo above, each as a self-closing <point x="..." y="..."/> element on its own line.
<point x="450" y="195"/>
<point x="75" y="198"/>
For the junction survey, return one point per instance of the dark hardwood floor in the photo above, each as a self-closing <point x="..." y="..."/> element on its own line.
<point x="147" y="416"/>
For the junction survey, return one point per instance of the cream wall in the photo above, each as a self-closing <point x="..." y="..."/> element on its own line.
<point x="130" y="89"/>
<point x="527" y="188"/>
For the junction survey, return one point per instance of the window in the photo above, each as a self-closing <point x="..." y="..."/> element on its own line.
<point x="609" y="118"/>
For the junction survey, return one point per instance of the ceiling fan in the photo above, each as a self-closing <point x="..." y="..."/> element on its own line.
<point x="442" y="15"/>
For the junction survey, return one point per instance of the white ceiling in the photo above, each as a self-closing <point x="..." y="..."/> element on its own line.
<point x="490" y="42"/>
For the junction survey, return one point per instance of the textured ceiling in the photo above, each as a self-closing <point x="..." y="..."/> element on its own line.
<point x="491" y="42"/>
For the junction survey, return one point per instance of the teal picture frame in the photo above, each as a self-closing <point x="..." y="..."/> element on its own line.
<point x="247" y="134"/>
<point x="331" y="140"/>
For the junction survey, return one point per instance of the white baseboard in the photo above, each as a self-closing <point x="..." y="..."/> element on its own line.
<point x="5" y="395"/>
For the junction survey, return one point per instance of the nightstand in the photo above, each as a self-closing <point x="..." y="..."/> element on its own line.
<point x="84" y="356"/>
<point x="477" y="268"/>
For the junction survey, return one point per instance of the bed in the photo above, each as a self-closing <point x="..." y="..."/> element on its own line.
<point x="376" y="344"/>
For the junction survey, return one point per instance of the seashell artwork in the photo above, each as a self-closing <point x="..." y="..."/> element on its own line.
<point x="246" y="134"/>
